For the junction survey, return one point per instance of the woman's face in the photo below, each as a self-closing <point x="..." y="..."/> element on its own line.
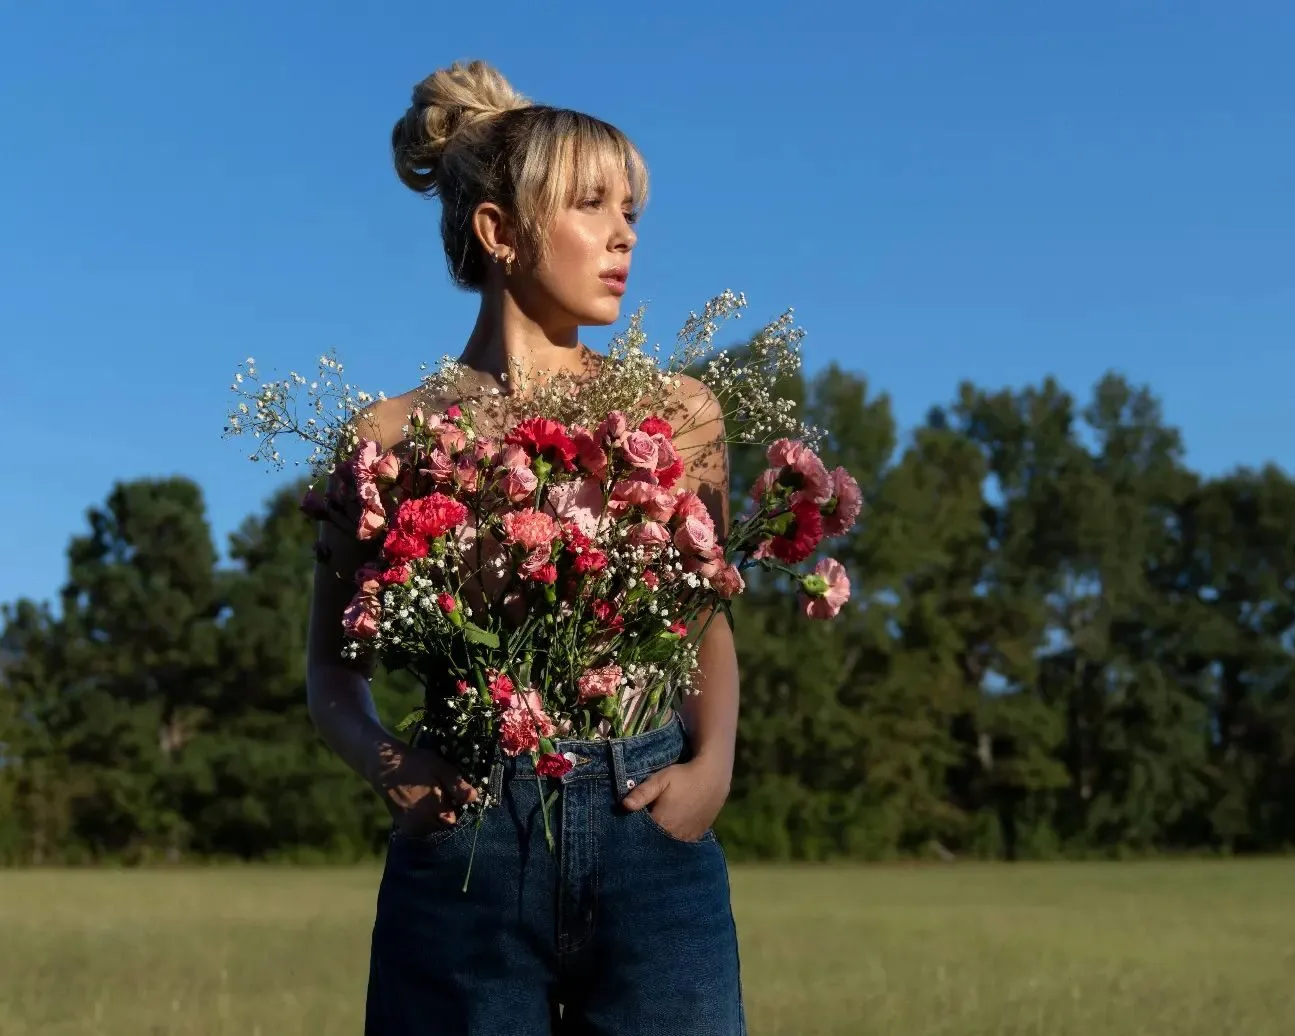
<point x="583" y="276"/>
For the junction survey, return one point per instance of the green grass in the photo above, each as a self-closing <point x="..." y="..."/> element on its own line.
<point x="1062" y="950"/>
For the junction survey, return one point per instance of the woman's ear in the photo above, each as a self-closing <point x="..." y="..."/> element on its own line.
<point x="494" y="230"/>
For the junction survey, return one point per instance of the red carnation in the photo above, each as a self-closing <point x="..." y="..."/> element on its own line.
<point x="552" y="764"/>
<point x="588" y="558"/>
<point x="804" y="535"/>
<point x="544" y="437"/>
<point x="605" y="613"/>
<point x="396" y="574"/>
<point x="447" y="603"/>
<point x="657" y="426"/>
<point x="400" y="547"/>
<point x="430" y="516"/>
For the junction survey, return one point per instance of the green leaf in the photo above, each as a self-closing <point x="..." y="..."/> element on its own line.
<point x="474" y="634"/>
<point x="409" y="720"/>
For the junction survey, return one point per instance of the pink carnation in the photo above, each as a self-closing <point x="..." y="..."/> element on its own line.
<point x="728" y="582"/>
<point x="767" y="480"/>
<point x="523" y="723"/>
<point x="372" y="520"/>
<point x="639" y="490"/>
<point x="589" y="454"/>
<point x="842" y="510"/>
<point x="553" y="764"/>
<point x="538" y="566"/>
<point x="826" y="590"/>
<point x="530" y="528"/>
<point x="598" y="683"/>
<point x="688" y="505"/>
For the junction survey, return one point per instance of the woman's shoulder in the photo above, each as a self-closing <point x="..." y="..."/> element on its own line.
<point x="386" y="421"/>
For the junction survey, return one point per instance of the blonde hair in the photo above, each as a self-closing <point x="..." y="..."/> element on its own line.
<point x="469" y="137"/>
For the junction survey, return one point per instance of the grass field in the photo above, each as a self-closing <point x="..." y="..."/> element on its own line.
<point x="1061" y="950"/>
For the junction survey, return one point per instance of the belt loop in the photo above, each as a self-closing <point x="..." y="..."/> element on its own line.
<point x="618" y="769"/>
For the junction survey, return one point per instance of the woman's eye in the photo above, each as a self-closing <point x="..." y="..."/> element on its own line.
<point x="631" y="217"/>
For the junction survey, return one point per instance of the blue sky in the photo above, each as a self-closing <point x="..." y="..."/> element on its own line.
<point x="993" y="191"/>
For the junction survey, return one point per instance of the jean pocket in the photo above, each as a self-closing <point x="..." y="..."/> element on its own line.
<point x="434" y="837"/>
<point x="646" y="813"/>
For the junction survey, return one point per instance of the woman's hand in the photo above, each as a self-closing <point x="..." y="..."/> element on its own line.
<point x="423" y="792"/>
<point x="684" y="798"/>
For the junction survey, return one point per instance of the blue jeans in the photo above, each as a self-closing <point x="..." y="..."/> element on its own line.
<point x="624" y="930"/>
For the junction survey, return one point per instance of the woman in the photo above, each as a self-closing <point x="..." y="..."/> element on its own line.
<point x="626" y="928"/>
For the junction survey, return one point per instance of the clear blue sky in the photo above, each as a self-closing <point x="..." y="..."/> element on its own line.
<point x="994" y="191"/>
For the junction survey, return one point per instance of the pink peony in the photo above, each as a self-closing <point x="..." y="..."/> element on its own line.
<point x="652" y="535"/>
<point x="519" y="484"/>
<point x="826" y="590"/>
<point x="579" y="502"/>
<point x="589" y="454"/>
<point x="530" y="528"/>
<point x="842" y="510"/>
<point x="360" y="620"/>
<point x="598" y="683"/>
<point x="696" y="536"/>
<point x="728" y="582"/>
<point x="640" y="451"/>
<point x="613" y="430"/>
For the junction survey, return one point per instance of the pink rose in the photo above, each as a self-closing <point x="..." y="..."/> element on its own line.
<point x="453" y="439"/>
<point x="827" y="588"/>
<point x="515" y="456"/>
<point x="360" y="620"/>
<point x="579" y="502"/>
<point x="598" y="683"/>
<point x="519" y="484"/>
<point x="439" y="465"/>
<point x="842" y="511"/>
<point x="369" y="465"/>
<point x="588" y="453"/>
<point x="538" y="565"/>
<point x="530" y="528"/>
<point x="636" y="491"/>
<point x="369" y="579"/>
<point x="688" y="505"/>
<point x="660" y="506"/>
<point x="372" y="519"/>
<point x="728" y="582"/>
<point x="485" y="451"/>
<point x="613" y="430"/>
<point x="696" y="536"/>
<point x="639" y="450"/>
<point x="467" y="474"/>
<point x="652" y="535"/>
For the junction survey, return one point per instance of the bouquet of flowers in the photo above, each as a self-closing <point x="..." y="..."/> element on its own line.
<point x="551" y="574"/>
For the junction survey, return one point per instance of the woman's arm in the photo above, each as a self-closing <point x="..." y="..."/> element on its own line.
<point x="418" y="786"/>
<point x="687" y="798"/>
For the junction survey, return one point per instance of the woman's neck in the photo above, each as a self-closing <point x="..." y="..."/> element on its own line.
<point x="507" y="341"/>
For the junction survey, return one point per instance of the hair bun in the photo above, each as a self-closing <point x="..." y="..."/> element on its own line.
<point x="449" y="104"/>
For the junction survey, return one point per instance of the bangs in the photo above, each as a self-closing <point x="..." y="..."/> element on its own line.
<point x="575" y="155"/>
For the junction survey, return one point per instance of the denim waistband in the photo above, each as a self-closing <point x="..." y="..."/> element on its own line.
<point x="609" y="757"/>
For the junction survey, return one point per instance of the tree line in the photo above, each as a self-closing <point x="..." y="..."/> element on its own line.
<point x="1062" y="642"/>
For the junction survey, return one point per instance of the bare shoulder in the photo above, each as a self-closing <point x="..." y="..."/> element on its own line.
<point x="386" y="421"/>
<point x="696" y="414"/>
